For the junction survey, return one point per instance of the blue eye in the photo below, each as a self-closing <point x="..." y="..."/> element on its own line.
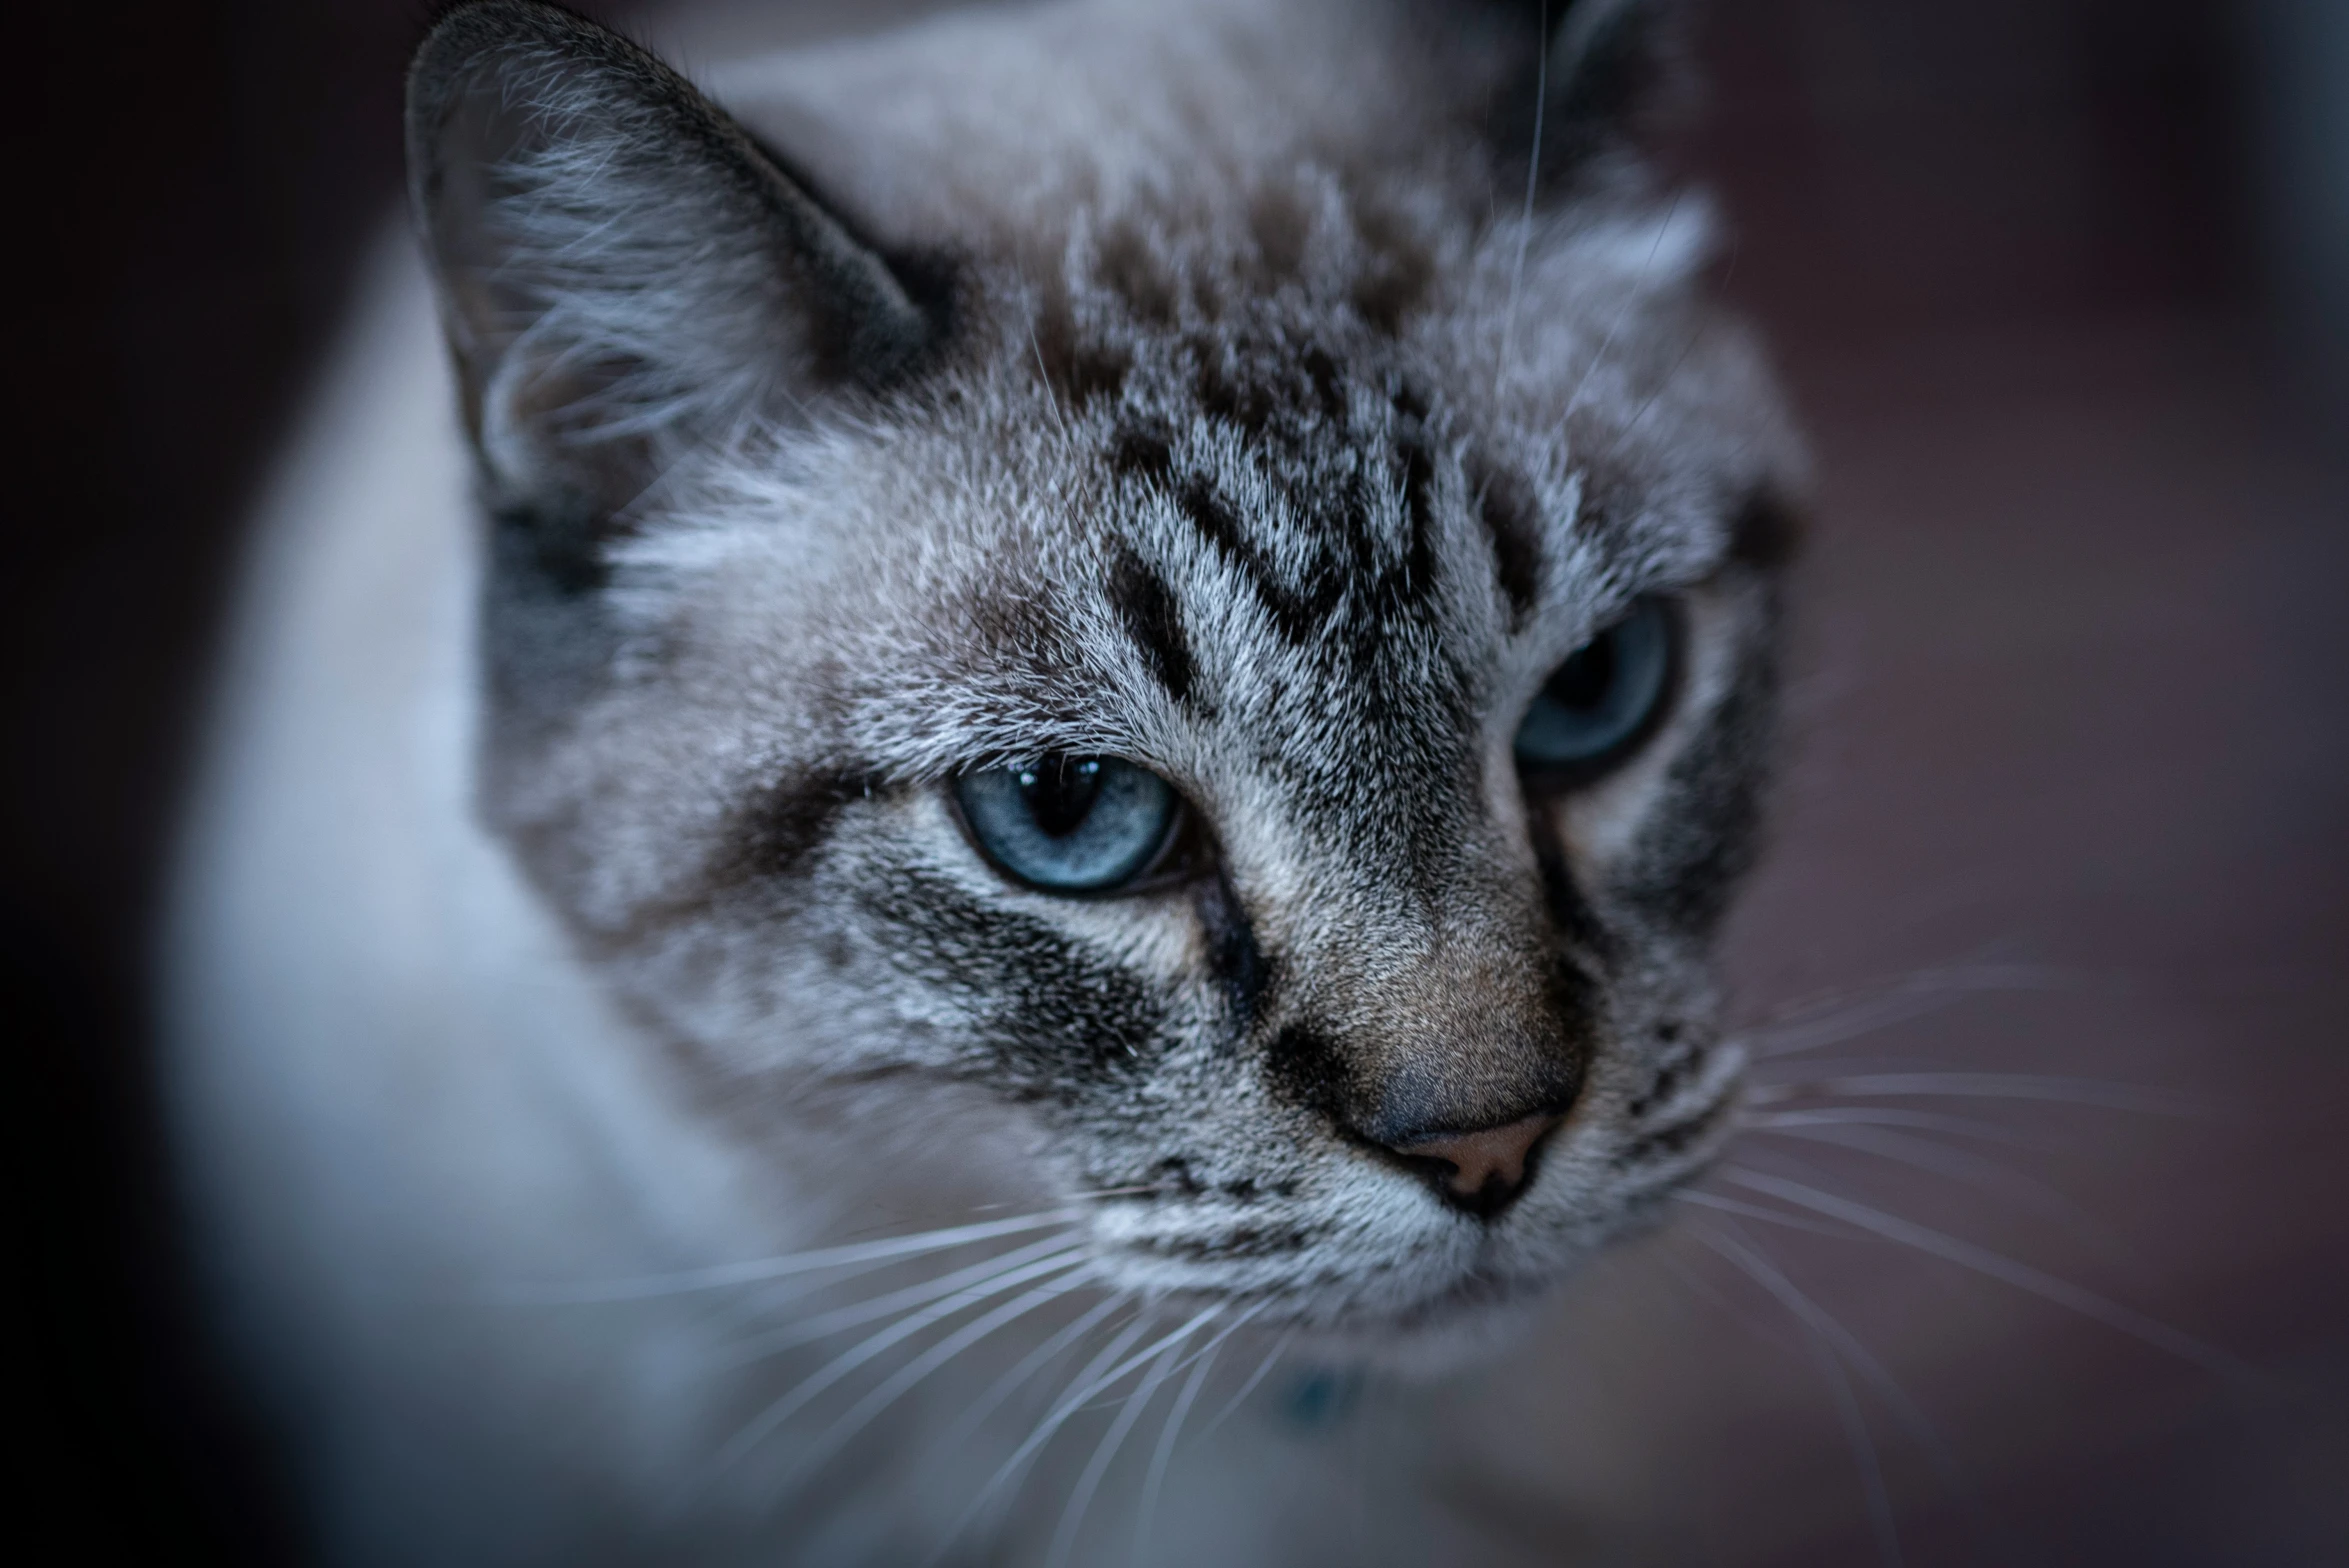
<point x="1070" y="824"/>
<point x="1602" y="698"/>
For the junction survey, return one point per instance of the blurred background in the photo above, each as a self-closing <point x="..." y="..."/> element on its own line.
<point x="2062" y="288"/>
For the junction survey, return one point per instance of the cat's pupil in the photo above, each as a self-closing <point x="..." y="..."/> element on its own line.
<point x="1060" y="793"/>
<point x="1584" y="681"/>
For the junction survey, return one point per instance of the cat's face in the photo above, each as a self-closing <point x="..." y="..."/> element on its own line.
<point x="1273" y="738"/>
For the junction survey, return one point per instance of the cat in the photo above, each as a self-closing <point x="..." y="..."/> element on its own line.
<point x="1052" y="716"/>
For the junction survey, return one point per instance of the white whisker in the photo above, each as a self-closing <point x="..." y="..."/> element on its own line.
<point x="1086" y="1382"/>
<point x="1630" y="304"/>
<point x="1154" y="1481"/>
<point x="1533" y="169"/>
<point x="1847" y="1405"/>
<point x="825" y="1324"/>
<point x="1222" y="1334"/>
<point x="1279" y="1347"/>
<point x="1093" y="1381"/>
<point x="801" y="1394"/>
<point x="1059" y="414"/>
<point x="854" y="1420"/>
<point x="1028" y="1366"/>
<point x="1992" y="1086"/>
<point x="1754" y="1211"/>
<point x="1922" y="1429"/>
<point x="2021" y="1276"/>
<point x="1116" y="1374"/>
<point x="1691" y="1279"/>
<point x="1687" y="347"/>
<point x="1072" y="1514"/>
<point x="757" y="1311"/>
<point x="1915" y="997"/>
<point x="1958" y="1165"/>
<point x="1890" y="1116"/>
<point x="758" y="1270"/>
<point x="1082" y="1197"/>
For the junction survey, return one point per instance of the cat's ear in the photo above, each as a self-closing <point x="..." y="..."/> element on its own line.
<point x="1599" y="75"/>
<point x="620" y="267"/>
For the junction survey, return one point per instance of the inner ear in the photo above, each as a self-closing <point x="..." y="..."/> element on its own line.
<point x="621" y="270"/>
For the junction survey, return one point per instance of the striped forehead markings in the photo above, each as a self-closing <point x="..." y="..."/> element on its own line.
<point x="1347" y="565"/>
<point x="1147" y="609"/>
<point x="1505" y="509"/>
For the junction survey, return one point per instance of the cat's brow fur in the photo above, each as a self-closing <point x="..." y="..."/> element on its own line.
<point x="1224" y="388"/>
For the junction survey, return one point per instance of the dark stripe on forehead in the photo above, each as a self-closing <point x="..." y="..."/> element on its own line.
<point x="1415" y="464"/>
<point x="1336" y="472"/>
<point x="1142" y="455"/>
<point x="1346" y="557"/>
<point x="1152" y="619"/>
<point x="1080" y="368"/>
<point x="1258" y="393"/>
<point x="1505" y="508"/>
<point x="1300" y="619"/>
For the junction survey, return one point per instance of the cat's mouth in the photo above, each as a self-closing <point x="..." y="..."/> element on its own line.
<point x="1473" y="1315"/>
<point x="1320" y="1270"/>
<point x="1288" y="1276"/>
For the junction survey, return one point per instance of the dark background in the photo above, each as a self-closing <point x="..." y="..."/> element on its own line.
<point x="2076" y="271"/>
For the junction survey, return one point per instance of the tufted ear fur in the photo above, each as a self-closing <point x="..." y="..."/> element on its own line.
<point x="1602" y="71"/>
<point x="621" y="270"/>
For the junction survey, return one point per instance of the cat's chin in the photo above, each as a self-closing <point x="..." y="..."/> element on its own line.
<point x="1477" y="1322"/>
<point x="1475" y="1335"/>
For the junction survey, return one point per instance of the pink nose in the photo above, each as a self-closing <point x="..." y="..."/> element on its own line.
<point x="1486" y="1167"/>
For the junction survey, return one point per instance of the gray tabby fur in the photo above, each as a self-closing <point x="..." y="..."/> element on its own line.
<point x="1219" y="387"/>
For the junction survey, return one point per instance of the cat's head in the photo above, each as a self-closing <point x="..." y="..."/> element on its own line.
<point x="1199" y="624"/>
